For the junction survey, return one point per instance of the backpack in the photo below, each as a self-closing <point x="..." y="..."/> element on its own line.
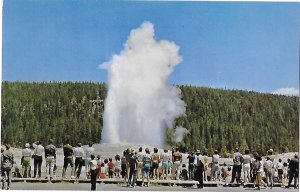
<point x="7" y="161"/>
<point x="50" y="150"/>
<point x="238" y="158"/>
<point x="147" y="159"/>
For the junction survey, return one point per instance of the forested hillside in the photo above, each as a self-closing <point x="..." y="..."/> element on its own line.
<point x="216" y="119"/>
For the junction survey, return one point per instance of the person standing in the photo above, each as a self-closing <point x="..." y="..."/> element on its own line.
<point x="38" y="158"/>
<point x="268" y="165"/>
<point x="215" y="165"/>
<point x="111" y="168"/>
<point x="206" y="163"/>
<point x="78" y="154"/>
<point x="191" y="159"/>
<point x="176" y="164"/>
<point x="25" y="161"/>
<point x="50" y="156"/>
<point x="279" y="168"/>
<point x="155" y="163"/>
<point x="293" y="171"/>
<point x="132" y="168"/>
<point x="146" y="165"/>
<point x="93" y="171"/>
<point x="237" y="166"/>
<point x="246" y="166"/>
<point x="118" y="167"/>
<point x="7" y="161"/>
<point x="165" y="163"/>
<point x="199" y="170"/>
<point x="140" y="156"/>
<point x="260" y="171"/>
<point x="68" y="159"/>
<point x="88" y="152"/>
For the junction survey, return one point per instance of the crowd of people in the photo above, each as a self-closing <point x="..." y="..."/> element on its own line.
<point x="145" y="164"/>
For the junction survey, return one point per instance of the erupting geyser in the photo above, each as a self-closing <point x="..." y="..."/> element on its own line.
<point x="140" y="104"/>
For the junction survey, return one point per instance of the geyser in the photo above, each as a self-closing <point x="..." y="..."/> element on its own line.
<point x="140" y="104"/>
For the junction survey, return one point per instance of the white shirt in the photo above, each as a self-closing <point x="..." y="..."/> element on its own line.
<point x="118" y="164"/>
<point x="38" y="149"/>
<point x="261" y="167"/>
<point x="247" y="159"/>
<point x="140" y="156"/>
<point x="215" y="158"/>
<point x="26" y="152"/>
<point x="93" y="164"/>
<point x="279" y="165"/>
<point x="88" y="152"/>
<point x="78" y="152"/>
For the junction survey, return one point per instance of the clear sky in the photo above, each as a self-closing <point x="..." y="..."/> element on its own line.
<point x="232" y="45"/>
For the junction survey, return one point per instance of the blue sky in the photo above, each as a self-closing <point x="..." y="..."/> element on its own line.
<point x="232" y="45"/>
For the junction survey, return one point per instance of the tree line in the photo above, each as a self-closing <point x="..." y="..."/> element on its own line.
<point x="215" y="118"/>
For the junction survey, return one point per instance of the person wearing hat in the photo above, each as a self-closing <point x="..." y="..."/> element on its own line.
<point x="25" y="161"/>
<point x="7" y="161"/>
<point x="50" y="156"/>
<point x="78" y="154"/>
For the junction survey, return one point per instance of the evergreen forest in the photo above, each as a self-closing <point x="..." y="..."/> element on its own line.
<point x="215" y="118"/>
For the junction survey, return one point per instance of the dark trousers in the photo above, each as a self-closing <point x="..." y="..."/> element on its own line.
<point x="199" y="175"/>
<point x="293" y="175"/>
<point x="78" y="164"/>
<point x="236" y="173"/>
<point x="37" y="165"/>
<point x="123" y="170"/>
<point x="132" y="176"/>
<point x="93" y="180"/>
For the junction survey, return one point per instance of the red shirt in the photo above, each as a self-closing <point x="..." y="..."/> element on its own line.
<point x="110" y="165"/>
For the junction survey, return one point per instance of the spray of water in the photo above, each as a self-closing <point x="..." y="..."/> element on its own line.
<point x="140" y="104"/>
<point x="179" y="133"/>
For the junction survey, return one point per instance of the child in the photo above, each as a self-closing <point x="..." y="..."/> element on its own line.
<point x="103" y="171"/>
<point x="227" y="176"/>
<point x="98" y="165"/>
<point x="118" y="166"/>
<point x="111" y="167"/>
<point x="184" y="173"/>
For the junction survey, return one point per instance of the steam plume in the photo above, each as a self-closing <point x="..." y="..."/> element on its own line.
<point x="140" y="103"/>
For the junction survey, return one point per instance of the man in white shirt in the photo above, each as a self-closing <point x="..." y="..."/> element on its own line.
<point x="88" y="152"/>
<point x="78" y="154"/>
<point x="38" y="158"/>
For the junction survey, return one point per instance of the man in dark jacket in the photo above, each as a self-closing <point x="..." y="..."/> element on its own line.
<point x="293" y="171"/>
<point x="68" y="159"/>
<point x="199" y="171"/>
<point x="50" y="156"/>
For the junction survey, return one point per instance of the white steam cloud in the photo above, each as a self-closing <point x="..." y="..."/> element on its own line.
<point x="140" y="104"/>
<point x="179" y="133"/>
